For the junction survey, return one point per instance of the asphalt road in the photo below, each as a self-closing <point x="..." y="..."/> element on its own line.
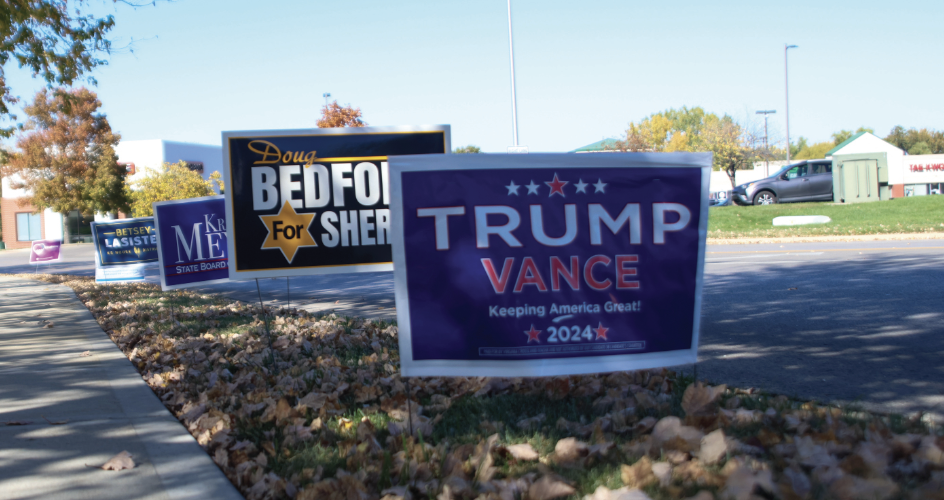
<point x="361" y="294"/>
<point x="855" y="322"/>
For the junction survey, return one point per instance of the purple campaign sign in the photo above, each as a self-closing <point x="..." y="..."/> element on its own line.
<point x="191" y="241"/>
<point x="43" y="251"/>
<point x="548" y="264"/>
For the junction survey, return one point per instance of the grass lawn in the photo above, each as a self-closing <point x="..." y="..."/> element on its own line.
<point x="317" y="409"/>
<point x="917" y="214"/>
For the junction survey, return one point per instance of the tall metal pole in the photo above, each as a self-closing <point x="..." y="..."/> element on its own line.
<point x="786" y="88"/>
<point x="514" y="101"/>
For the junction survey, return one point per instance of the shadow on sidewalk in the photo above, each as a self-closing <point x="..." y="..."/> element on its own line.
<point x="79" y="411"/>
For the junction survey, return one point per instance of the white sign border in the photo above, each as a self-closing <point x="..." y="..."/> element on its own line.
<point x="236" y="275"/>
<point x="42" y="262"/>
<point x="160" y="254"/>
<point x="545" y="367"/>
<point x="136" y="266"/>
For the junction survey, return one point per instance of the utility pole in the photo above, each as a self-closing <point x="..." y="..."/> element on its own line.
<point x="766" y="147"/>
<point x="786" y="88"/>
<point x="765" y="113"/>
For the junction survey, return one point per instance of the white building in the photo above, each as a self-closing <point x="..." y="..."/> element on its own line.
<point x="20" y="225"/>
<point x="140" y="156"/>
<point x="908" y="175"/>
<point x="922" y="174"/>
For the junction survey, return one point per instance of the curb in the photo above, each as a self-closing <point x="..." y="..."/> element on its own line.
<point x="827" y="239"/>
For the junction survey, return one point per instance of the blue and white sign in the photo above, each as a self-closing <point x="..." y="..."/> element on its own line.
<point x="124" y="249"/>
<point x="548" y="264"/>
<point x="191" y="241"/>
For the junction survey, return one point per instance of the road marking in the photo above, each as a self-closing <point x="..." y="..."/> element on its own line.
<point x="830" y="250"/>
<point x="776" y="255"/>
<point x="819" y="260"/>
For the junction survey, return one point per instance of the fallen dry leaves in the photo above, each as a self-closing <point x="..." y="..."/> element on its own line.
<point x="318" y="410"/>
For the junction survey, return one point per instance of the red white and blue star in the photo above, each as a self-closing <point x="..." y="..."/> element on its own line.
<point x="533" y="335"/>
<point x="556" y="186"/>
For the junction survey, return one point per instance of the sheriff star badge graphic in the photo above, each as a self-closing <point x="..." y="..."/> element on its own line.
<point x="288" y="231"/>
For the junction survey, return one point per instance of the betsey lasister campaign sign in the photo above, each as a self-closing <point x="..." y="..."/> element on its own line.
<point x="551" y="264"/>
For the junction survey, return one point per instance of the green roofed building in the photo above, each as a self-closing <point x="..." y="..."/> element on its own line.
<point x="908" y="175"/>
<point x="596" y="147"/>
<point x="844" y="143"/>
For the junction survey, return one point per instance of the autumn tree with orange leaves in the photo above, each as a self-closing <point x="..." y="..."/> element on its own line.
<point x="336" y="116"/>
<point x="65" y="155"/>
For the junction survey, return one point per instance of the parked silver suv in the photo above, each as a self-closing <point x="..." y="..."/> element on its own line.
<point x="808" y="180"/>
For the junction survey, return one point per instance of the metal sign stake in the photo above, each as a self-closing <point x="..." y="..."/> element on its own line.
<point x="265" y="315"/>
<point x="409" y="404"/>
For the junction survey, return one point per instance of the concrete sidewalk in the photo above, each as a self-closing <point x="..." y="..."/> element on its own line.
<point x="107" y="406"/>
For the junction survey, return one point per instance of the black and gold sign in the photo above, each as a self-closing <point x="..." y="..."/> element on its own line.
<point x="315" y="201"/>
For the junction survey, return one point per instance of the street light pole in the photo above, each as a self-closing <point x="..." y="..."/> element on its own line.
<point x="766" y="147"/>
<point x="326" y="95"/>
<point x="514" y="101"/>
<point x="786" y="88"/>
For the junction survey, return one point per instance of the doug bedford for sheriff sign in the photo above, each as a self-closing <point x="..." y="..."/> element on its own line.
<point x="315" y="201"/>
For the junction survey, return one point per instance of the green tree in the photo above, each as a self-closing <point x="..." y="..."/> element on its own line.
<point x="336" y="116"/>
<point x="665" y="131"/>
<point x="56" y="40"/>
<point x="726" y="141"/>
<point x="898" y="137"/>
<point x="920" y="148"/>
<point x="694" y="129"/>
<point x="801" y="144"/>
<point x="468" y="149"/>
<point x="65" y="155"/>
<point x="843" y="135"/>
<point x="171" y="181"/>
<point x="813" y="152"/>
<point x="909" y="139"/>
<point x="803" y="150"/>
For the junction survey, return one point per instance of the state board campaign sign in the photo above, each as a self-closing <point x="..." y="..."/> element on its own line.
<point x="315" y="201"/>
<point x="548" y="264"/>
<point x="124" y="249"/>
<point x="191" y="241"/>
<point x="44" y="251"/>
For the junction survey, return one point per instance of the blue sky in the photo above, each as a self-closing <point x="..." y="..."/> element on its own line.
<point x="584" y="69"/>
